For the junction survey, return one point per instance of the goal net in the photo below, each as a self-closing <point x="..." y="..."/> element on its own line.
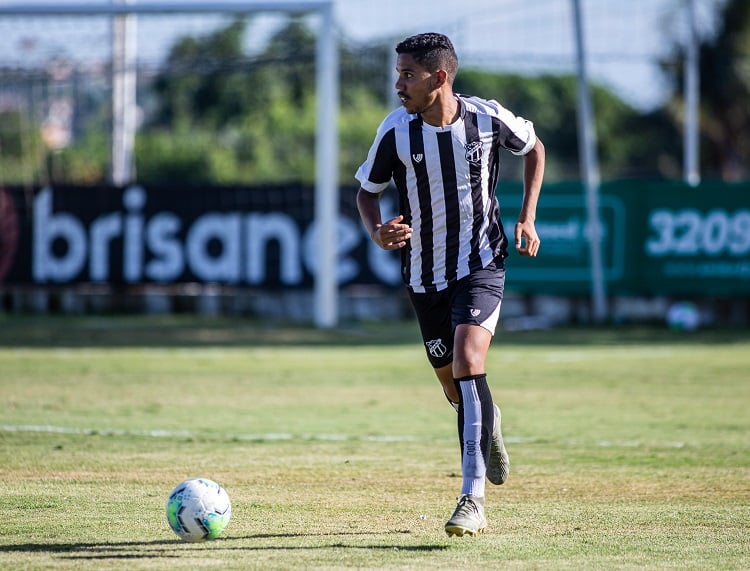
<point x="77" y="81"/>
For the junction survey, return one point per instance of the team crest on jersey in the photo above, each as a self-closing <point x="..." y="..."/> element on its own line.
<point x="474" y="152"/>
<point x="436" y="347"/>
<point x="417" y="157"/>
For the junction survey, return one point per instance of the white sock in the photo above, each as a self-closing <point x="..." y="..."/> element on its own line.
<point x="475" y="437"/>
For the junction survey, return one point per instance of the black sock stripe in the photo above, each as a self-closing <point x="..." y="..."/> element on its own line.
<point x="488" y="412"/>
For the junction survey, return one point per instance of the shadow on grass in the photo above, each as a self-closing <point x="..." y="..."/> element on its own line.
<point x="158" y="549"/>
<point x="59" y="331"/>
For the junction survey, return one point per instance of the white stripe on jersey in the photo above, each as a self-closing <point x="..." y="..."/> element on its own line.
<point x="485" y="251"/>
<point x="439" y="222"/>
<point x="459" y="156"/>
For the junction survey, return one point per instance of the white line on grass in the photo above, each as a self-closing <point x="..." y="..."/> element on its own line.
<point x="275" y="436"/>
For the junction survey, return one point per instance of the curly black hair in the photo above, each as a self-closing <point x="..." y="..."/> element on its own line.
<point x="431" y="50"/>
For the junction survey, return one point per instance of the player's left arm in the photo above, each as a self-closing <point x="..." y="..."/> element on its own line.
<point x="527" y="240"/>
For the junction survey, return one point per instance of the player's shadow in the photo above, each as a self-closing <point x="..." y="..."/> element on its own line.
<point x="113" y="550"/>
<point x="160" y="549"/>
<point x="335" y="545"/>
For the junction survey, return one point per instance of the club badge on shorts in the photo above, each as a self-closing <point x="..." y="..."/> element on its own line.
<point x="436" y="347"/>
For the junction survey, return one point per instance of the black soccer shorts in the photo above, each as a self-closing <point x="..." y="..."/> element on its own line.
<point x="472" y="300"/>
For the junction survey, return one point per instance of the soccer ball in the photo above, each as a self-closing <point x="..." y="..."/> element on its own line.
<point x="198" y="509"/>
<point x="683" y="316"/>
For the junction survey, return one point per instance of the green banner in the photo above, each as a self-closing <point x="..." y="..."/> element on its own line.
<point x="659" y="238"/>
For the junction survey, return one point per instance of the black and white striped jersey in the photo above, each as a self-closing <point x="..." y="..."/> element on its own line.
<point x="446" y="179"/>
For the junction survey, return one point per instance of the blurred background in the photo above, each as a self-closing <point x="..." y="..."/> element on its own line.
<point x="172" y="158"/>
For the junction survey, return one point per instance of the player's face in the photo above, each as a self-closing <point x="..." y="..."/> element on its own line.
<point x="415" y="85"/>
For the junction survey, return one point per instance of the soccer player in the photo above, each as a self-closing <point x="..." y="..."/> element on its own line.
<point x="441" y="150"/>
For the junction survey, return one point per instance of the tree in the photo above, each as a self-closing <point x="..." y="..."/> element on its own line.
<point x="22" y="151"/>
<point x="204" y="83"/>
<point x="630" y="144"/>
<point x="226" y="117"/>
<point x="724" y="62"/>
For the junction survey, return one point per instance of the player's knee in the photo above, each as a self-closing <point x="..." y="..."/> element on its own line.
<point x="468" y="363"/>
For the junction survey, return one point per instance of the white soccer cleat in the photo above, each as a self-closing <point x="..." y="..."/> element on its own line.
<point x="468" y="519"/>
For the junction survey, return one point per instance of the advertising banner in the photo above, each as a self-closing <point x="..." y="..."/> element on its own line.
<point x="688" y="241"/>
<point x="562" y="266"/>
<point x="262" y="237"/>
<point x="658" y="238"/>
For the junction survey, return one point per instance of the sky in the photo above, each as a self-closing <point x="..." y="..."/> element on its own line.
<point x="624" y="39"/>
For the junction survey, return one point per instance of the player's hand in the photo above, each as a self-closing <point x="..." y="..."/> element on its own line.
<point x="392" y="235"/>
<point x="527" y="241"/>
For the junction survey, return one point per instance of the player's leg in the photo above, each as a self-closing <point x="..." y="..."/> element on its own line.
<point x="476" y="309"/>
<point x="474" y="434"/>
<point x="476" y="410"/>
<point x="470" y="346"/>
<point x="445" y="376"/>
<point x="477" y="306"/>
<point x="433" y="312"/>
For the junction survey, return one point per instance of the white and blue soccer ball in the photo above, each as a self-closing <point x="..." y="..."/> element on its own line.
<point x="683" y="316"/>
<point x="198" y="509"/>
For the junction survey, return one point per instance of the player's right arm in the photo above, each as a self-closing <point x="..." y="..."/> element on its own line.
<point x="374" y="176"/>
<point x="390" y="235"/>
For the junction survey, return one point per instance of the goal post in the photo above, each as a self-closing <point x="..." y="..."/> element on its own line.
<point x="327" y="96"/>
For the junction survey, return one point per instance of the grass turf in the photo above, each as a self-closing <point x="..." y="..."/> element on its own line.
<point x="629" y="447"/>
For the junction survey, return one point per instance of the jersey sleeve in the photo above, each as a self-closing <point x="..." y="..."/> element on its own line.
<point x="374" y="175"/>
<point x="514" y="133"/>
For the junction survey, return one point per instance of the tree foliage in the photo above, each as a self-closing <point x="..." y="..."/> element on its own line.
<point x="724" y="64"/>
<point x="234" y="118"/>
<point x="216" y="113"/>
<point x="629" y="144"/>
<point x="258" y="112"/>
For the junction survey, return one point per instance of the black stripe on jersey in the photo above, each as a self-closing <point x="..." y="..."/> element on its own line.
<point x="386" y="159"/>
<point x="419" y="163"/>
<point x="475" y="176"/>
<point x="496" y="232"/>
<point x="399" y="179"/>
<point x="507" y="138"/>
<point x="452" y="206"/>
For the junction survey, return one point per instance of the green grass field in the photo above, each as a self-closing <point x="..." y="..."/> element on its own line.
<point x="630" y="448"/>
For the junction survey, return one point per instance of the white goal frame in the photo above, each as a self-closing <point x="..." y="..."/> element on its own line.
<point x="327" y="93"/>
